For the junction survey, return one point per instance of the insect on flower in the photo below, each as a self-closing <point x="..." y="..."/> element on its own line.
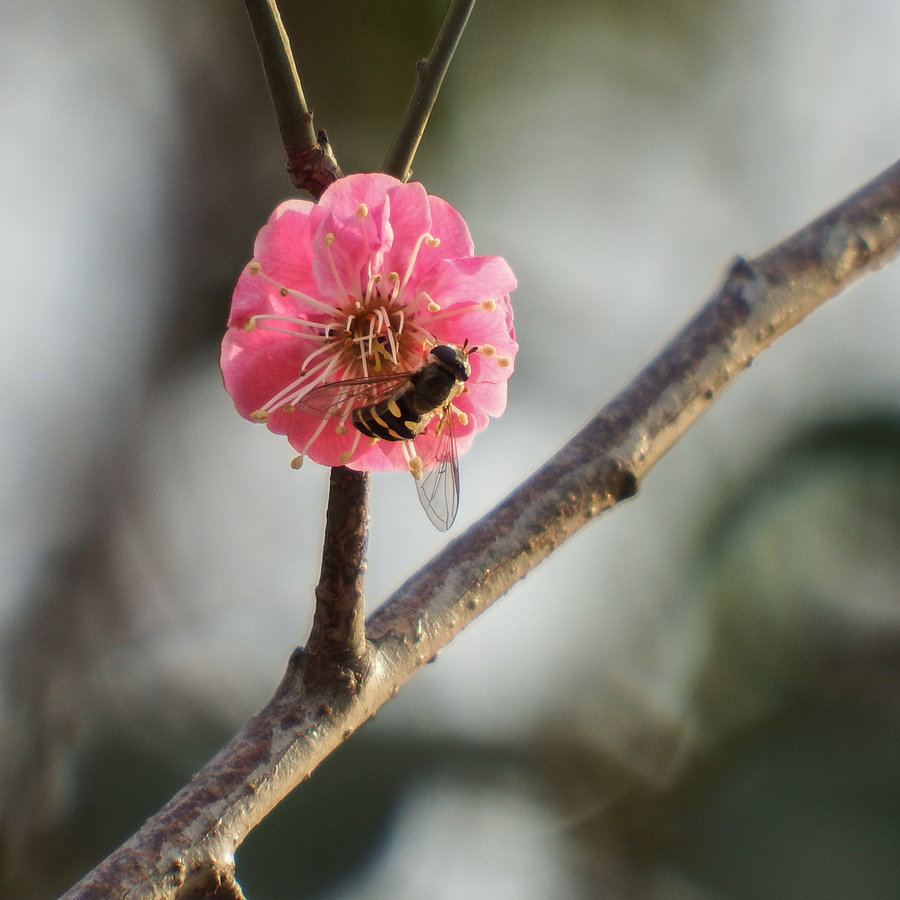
<point x="400" y="407"/>
<point x="353" y="331"/>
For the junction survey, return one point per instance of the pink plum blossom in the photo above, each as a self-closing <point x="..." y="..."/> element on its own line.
<point x="363" y="284"/>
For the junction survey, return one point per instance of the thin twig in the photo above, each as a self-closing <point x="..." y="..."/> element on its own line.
<point x="430" y="74"/>
<point x="311" y="163"/>
<point x="277" y="749"/>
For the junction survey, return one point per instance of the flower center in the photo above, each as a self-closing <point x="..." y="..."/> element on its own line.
<point x="372" y="326"/>
<point x="356" y="335"/>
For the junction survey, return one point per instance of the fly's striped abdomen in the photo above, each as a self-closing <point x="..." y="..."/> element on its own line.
<point x="390" y="420"/>
<point x="401" y="417"/>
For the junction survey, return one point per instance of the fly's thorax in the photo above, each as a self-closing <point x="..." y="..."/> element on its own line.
<point x="454" y="359"/>
<point x="428" y="389"/>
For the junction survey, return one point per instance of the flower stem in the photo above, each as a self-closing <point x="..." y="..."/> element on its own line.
<point x="429" y="76"/>
<point x="338" y="632"/>
<point x="311" y="163"/>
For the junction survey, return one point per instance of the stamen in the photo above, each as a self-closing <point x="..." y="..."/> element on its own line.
<point x="488" y="305"/>
<point x="300" y="387"/>
<point x="487" y="349"/>
<point x="370" y="284"/>
<point x="394" y="279"/>
<point x="362" y="210"/>
<point x="432" y="306"/>
<point x="347" y="455"/>
<point x="392" y="344"/>
<point x="329" y="308"/>
<point x="297" y="461"/>
<point x="307" y="369"/>
<point x="364" y="364"/>
<point x="413" y="460"/>
<point x="356" y="438"/>
<point x="426" y="238"/>
<point x="504" y="362"/>
<point x="329" y="240"/>
<point x="314" y="438"/>
<point x="253" y="322"/>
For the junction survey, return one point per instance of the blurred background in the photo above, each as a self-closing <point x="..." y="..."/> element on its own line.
<point x="698" y="697"/>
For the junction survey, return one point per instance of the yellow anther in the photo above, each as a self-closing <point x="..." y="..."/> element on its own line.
<point x="487" y="349"/>
<point x="488" y="305"/>
<point x="504" y="361"/>
<point x="345" y="457"/>
<point x="255" y="268"/>
<point x="297" y="461"/>
<point x="433" y="307"/>
<point x="362" y="210"/>
<point x="259" y="415"/>
<point x="329" y="239"/>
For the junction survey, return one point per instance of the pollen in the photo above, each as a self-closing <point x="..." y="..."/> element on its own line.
<point x="504" y="362"/>
<point x="329" y="239"/>
<point x="259" y="415"/>
<point x="362" y="210"/>
<point x="487" y="349"/>
<point x="345" y="457"/>
<point x="488" y="305"/>
<point x="341" y="429"/>
<point x="255" y="268"/>
<point x="297" y="461"/>
<point x="433" y="241"/>
<point x="461" y="417"/>
<point x="433" y="307"/>
<point x="415" y="467"/>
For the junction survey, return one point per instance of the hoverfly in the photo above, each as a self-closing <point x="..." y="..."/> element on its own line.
<point x="402" y="405"/>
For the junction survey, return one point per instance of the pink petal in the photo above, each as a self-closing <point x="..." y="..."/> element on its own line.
<point x="448" y="225"/>
<point x="410" y="221"/>
<point x="284" y="245"/>
<point x="342" y="248"/>
<point x="344" y="196"/>
<point x="470" y="278"/>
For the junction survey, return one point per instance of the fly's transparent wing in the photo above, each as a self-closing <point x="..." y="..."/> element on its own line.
<point x="438" y="488"/>
<point x="337" y="398"/>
